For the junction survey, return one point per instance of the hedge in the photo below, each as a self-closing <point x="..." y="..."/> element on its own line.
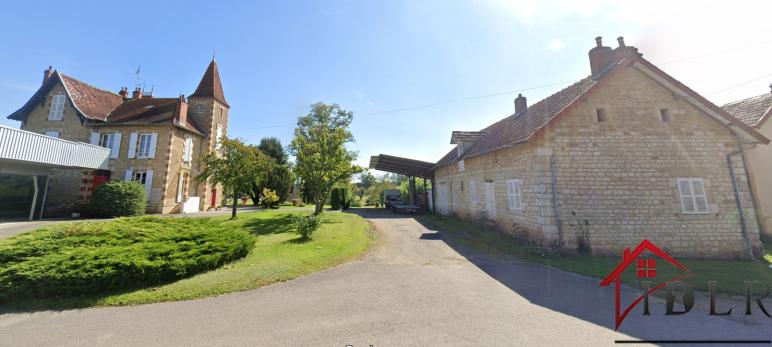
<point x="118" y="199"/>
<point x="91" y="257"/>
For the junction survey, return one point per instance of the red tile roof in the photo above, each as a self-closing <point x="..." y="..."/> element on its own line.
<point x="210" y="86"/>
<point x="751" y="111"/>
<point x="93" y="102"/>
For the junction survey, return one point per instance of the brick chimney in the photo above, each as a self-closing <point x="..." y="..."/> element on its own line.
<point x="623" y="51"/>
<point x="600" y="56"/>
<point x="48" y="73"/>
<point x="520" y="104"/>
<point x="124" y="93"/>
<point x="137" y="93"/>
<point x="181" y="113"/>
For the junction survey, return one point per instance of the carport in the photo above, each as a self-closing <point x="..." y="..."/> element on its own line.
<point x="28" y="154"/>
<point x="409" y="167"/>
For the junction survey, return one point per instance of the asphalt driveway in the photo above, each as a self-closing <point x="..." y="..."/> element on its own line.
<point x="413" y="289"/>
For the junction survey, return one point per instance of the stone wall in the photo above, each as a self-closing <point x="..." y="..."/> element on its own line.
<point x="616" y="180"/>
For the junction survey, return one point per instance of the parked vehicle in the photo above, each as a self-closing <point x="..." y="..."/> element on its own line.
<point x="392" y="197"/>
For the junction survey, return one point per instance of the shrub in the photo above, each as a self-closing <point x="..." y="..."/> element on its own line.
<point x="269" y="197"/>
<point x="118" y="199"/>
<point x="340" y="198"/>
<point x="93" y="257"/>
<point x="306" y="225"/>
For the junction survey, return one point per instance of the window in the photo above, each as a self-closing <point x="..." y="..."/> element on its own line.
<point x="106" y="140"/>
<point x="664" y="114"/>
<point x="57" y="107"/>
<point x="199" y="108"/>
<point x="601" y="113"/>
<point x="514" y="194"/>
<point x="646" y="268"/>
<point x="472" y="191"/>
<point x="461" y="165"/>
<point x="220" y="111"/>
<point x="693" y="197"/>
<point x="143" y="149"/>
<point x="52" y="133"/>
<point x="139" y="176"/>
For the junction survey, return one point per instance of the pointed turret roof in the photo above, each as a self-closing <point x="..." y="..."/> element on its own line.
<point x="210" y="86"/>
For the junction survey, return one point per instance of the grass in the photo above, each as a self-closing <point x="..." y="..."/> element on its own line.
<point x="730" y="274"/>
<point x="278" y="255"/>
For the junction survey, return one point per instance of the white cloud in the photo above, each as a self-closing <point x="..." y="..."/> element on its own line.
<point x="556" y="45"/>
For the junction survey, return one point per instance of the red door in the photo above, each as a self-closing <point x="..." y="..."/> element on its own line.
<point x="214" y="197"/>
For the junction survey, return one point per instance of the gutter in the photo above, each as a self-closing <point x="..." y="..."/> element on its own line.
<point x="743" y="226"/>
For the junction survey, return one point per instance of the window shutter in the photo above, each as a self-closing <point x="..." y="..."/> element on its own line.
<point x="518" y="195"/>
<point x="132" y="144"/>
<point x="116" y="146"/>
<point x="149" y="183"/>
<point x="94" y="140"/>
<point x="153" y="141"/>
<point x="127" y="175"/>
<point x="190" y="151"/>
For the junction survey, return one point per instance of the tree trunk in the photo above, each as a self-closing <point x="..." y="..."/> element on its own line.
<point x="319" y="206"/>
<point x="235" y="204"/>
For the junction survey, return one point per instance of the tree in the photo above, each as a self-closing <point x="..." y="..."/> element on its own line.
<point x="320" y="150"/>
<point x="366" y="179"/>
<point x="272" y="147"/>
<point x="279" y="177"/>
<point x="236" y="166"/>
<point x="270" y="197"/>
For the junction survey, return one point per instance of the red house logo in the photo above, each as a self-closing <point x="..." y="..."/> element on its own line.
<point x="645" y="268"/>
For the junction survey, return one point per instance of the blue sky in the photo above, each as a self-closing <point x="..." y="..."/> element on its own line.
<point x="278" y="57"/>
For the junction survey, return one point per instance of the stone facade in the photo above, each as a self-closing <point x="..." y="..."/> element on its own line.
<point x="616" y="180"/>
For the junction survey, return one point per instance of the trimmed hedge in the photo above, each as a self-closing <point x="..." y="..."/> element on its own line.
<point x="118" y="199"/>
<point x="91" y="257"/>
<point x="340" y="198"/>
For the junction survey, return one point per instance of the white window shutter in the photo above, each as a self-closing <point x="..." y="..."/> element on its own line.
<point x="132" y="144"/>
<point x="116" y="146"/>
<point x="153" y="141"/>
<point x="127" y="175"/>
<point x="190" y="150"/>
<point x="94" y="139"/>
<point x="149" y="182"/>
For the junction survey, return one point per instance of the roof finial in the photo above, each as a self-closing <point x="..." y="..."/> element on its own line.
<point x="214" y="53"/>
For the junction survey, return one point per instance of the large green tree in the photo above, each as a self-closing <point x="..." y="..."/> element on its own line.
<point x="319" y="147"/>
<point x="279" y="177"/>
<point x="236" y="166"/>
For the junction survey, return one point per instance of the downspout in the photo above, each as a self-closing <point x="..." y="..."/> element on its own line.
<point x="554" y="172"/>
<point x="743" y="226"/>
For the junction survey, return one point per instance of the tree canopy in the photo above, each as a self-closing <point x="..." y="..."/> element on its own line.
<point x="319" y="147"/>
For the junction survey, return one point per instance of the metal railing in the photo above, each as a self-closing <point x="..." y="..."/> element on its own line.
<point x="16" y="144"/>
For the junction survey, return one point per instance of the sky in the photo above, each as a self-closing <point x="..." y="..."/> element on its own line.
<point x="411" y="71"/>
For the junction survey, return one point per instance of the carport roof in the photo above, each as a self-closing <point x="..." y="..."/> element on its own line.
<point x="404" y="166"/>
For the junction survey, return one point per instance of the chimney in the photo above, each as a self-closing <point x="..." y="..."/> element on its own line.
<point x="124" y="93"/>
<point x="48" y="73"/>
<point x="623" y="51"/>
<point x="520" y="104"/>
<point x="137" y="93"/>
<point x="600" y="56"/>
<point x="181" y="113"/>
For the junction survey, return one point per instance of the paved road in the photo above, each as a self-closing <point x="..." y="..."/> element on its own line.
<point x="414" y="289"/>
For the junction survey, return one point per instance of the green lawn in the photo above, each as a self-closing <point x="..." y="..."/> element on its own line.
<point x="278" y="255"/>
<point x="730" y="274"/>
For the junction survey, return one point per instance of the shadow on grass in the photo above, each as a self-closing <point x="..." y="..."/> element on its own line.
<point x="266" y="226"/>
<point x="299" y="240"/>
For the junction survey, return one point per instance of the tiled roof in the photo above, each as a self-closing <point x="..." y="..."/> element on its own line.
<point x="153" y="111"/>
<point x="518" y="128"/>
<point x="93" y="102"/>
<point x="210" y="86"/>
<point x="465" y="136"/>
<point x="751" y="111"/>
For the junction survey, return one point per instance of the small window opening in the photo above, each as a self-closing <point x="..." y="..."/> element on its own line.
<point x="601" y="113"/>
<point x="664" y="114"/>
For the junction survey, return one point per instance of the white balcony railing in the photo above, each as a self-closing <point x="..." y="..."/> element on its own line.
<point x="31" y="147"/>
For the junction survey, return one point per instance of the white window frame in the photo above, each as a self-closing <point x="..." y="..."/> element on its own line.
<point x="144" y="152"/>
<point x="461" y="165"/>
<point x="515" y="194"/>
<point x="139" y="176"/>
<point x="691" y="196"/>
<point x="106" y="140"/>
<point x="187" y="151"/>
<point x="472" y="191"/>
<point x="57" y="107"/>
<point x="53" y="133"/>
